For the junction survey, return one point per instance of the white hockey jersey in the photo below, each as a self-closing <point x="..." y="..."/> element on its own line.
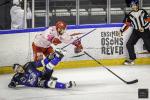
<point x="44" y="38"/>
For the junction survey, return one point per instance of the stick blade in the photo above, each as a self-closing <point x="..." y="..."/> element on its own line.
<point x="77" y="56"/>
<point x="132" y="82"/>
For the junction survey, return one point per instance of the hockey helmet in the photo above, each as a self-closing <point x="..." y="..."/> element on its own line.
<point x="134" y="2"/>
<point x="17" y="68"/>
<point x="61" y="27"/>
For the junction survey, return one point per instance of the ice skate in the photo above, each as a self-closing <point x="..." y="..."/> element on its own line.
<point x="128" y="62"/>
<point x="71" y="84"/>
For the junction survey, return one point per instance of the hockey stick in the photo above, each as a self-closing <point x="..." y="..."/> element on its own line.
<point x="78" y="38"/>
<point x="127" y="82"/>
<point x="77" y="55"/>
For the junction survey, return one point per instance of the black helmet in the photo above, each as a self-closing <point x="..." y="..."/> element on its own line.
<point x="134" y="2"/>
<point x="15" y="65"/>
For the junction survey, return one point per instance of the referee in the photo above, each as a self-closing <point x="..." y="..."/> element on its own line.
<point x="139" y="20"/>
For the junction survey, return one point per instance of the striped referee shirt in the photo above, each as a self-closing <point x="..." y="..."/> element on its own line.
<point x="137" y="20"/>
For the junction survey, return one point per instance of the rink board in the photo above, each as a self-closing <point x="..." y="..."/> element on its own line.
<point x="85" y="64"/>
<point x="103" y="44"/>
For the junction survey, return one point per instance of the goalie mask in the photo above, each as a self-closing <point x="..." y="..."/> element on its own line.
<point x="61" y="27"/>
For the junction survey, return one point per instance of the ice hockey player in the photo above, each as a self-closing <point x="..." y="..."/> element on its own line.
<point x="42" y="44"/>
<point x="140" y="21"/>
<point x="29" y="76"/>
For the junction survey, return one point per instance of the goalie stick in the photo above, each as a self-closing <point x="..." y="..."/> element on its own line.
<point x="127" y="82"/>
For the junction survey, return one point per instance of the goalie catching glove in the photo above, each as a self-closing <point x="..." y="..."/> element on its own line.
<point x="78" y="46"/>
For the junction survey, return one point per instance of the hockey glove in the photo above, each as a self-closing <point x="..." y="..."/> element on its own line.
<point x="51" y="56"/>
<point x="12" y="84"/>
<point x="59" y="53"/>
<point x="78" y="46"/>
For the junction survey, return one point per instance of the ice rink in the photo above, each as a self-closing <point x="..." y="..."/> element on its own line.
<point x="92" y="84"/>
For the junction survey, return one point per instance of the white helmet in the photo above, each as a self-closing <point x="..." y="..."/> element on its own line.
<point x="16" y="2"/>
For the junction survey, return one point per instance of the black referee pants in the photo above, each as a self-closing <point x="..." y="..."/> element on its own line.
<point x="135" y="36"/>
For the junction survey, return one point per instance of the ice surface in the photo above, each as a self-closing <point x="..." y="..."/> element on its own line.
<point x="92" y="84"/>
